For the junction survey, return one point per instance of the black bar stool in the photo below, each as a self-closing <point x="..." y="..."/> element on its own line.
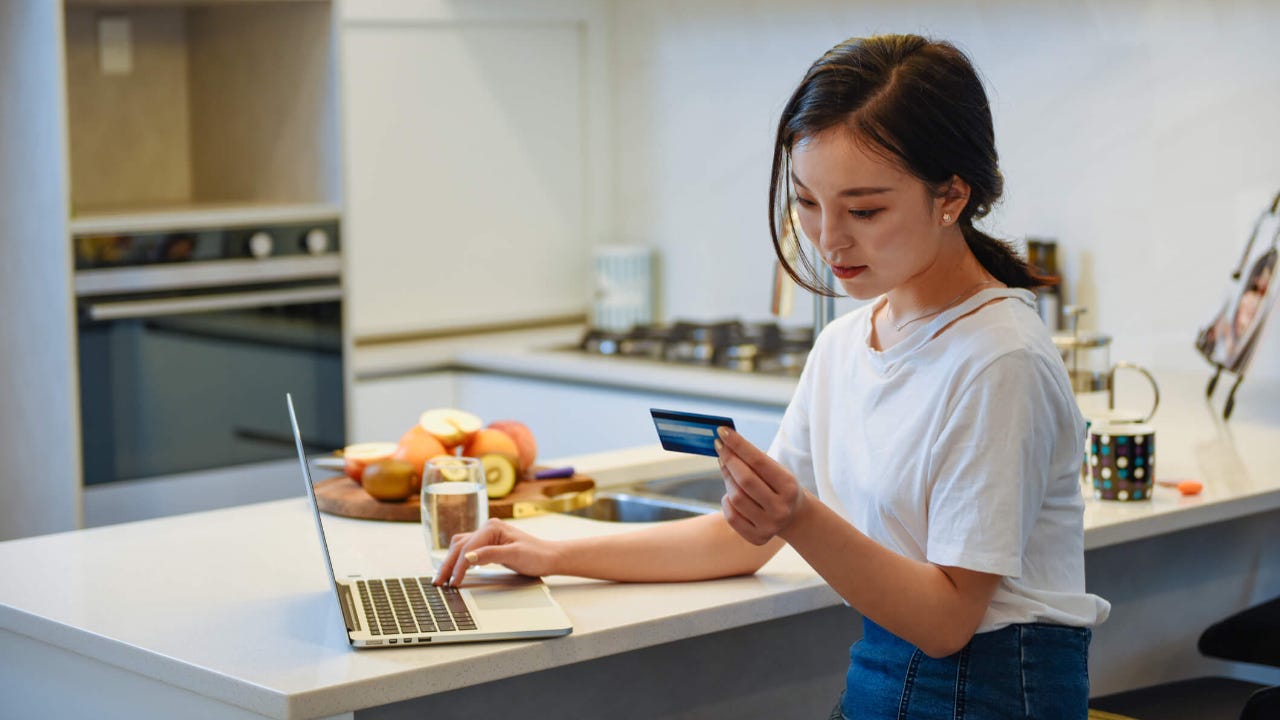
<point x="1205" y="698"/>
<point x="1251" y="636"/>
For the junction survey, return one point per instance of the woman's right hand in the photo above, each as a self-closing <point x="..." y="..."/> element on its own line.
<point x="497" y="542"/>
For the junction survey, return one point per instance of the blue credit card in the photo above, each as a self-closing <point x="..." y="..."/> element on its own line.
<point x="688" y="432"/>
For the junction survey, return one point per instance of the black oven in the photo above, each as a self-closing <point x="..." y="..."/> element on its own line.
<point x="188" y="341"/>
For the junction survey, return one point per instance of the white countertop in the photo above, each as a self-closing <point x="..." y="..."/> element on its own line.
<point x="548" y="353"/>
<point x="235" y="605"/>
<point x="637" y="374"/>
<point x="1238" y="461"/>
<point x="406" y="357"/>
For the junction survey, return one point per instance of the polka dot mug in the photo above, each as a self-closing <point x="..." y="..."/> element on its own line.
<point x="1122" y="460"/>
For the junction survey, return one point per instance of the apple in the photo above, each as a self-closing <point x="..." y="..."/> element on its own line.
<point x="500" y="474"/>
<point x="390" y="480"/>
<point x="357" y="457"/>
<point x="416" y="447"/>
<point x="450" y="426"/>
<point x="488" y="440"/>
<point x="523" y="436"/>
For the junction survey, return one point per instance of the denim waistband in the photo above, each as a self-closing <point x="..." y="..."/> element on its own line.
<point x="1024" y="670"/>
<point x="1008" y="637"/>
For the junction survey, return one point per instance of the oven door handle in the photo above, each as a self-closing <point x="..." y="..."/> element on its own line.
<point x="133" y="309"/>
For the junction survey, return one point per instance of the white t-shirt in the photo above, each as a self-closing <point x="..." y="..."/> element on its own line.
<point x="958" y="449"/>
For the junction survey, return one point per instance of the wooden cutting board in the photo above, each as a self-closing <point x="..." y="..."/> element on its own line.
<point x="342" y="496"/>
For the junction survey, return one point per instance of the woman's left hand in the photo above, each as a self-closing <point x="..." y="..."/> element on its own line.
<point x="761" y="497"/>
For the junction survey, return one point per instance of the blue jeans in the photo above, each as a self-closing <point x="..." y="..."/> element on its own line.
<point x="1035" y="670"/>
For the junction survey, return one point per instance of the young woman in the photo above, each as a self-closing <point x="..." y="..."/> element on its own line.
<point x="927" y="466"/>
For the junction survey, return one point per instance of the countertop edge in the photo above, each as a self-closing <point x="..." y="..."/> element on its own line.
<point x="547" y="354"/>
<point x="539" y="655"/>
<point x="145" y="663"/>
<point x="521" y="657"/>
<point x="550" y="364"/>
<point x="1184" y="518"/>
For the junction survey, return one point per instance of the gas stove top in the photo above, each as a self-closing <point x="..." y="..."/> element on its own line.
<point x="731" y="344"/>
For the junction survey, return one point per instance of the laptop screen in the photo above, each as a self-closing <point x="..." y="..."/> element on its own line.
<point x="311" y="493"/>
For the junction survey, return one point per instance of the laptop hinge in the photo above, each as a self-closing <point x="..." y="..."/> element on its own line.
<point x="348" y="608"/>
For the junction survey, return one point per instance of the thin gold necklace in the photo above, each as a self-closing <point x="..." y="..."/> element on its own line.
<point x="898" y="326"/>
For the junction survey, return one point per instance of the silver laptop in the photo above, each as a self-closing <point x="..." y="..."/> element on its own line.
<point x="406" y="609"/>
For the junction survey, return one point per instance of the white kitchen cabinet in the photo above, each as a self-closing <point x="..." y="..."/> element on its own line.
<point x="211" y="111"/>
<point x="474" y="161"/>
<point x="573" y="419"/>
<point x="383" y="408"/>
<point x="221" y="107"/>
<point x="39" y="418"/>
<point x="567" y="418"/>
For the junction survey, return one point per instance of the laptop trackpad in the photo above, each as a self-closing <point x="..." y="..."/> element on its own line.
<point x="511" y="599"/>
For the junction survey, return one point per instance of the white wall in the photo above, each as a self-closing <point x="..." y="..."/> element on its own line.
<point x="1141" y="135"/>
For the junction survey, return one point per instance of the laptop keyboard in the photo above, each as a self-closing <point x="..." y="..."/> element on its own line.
<point x="409" y="606"/>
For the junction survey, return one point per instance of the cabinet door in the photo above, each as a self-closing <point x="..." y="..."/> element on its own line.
<point x="466" y="171"/>
<point x="573" y="419"/>
<point x="383" y="409"/>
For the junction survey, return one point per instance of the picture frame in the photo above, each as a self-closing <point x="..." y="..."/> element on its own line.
<point x="1229" y="339"/>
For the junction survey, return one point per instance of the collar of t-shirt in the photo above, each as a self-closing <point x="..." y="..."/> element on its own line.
<point x="924" y="332"/>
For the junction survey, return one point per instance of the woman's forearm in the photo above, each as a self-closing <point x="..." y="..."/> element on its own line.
<point x="698" y="548"/>
<point x="917" y="601"/>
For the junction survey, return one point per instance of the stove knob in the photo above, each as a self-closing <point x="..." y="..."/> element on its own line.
<point x="261" y="244"/>
<point x="316" y="241"/>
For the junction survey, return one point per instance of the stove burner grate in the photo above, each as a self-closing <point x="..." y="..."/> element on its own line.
<point x="732" y="344"/>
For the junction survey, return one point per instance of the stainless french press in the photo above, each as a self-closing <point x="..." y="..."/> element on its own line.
<point x="1088" y="361"/>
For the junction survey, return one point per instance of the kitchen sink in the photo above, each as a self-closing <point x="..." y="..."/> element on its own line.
<point x="623" y="506"/>
<point x="705" y="487"/>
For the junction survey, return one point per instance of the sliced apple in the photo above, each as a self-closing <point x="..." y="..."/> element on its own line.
<point x="500" y="474"/>
<point x="523" y="436"/>
<point x="359" y="456"/>
<point x="450" y="426"/>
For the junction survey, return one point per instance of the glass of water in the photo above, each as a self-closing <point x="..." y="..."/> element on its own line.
<point x="454" y="500"/>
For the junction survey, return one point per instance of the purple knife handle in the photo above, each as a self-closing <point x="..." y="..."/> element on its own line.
<point x="549" y="473"/>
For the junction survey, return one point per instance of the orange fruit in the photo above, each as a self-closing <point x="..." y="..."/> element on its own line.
<point x="490" y="441"/>
<point x="416" y="447"/>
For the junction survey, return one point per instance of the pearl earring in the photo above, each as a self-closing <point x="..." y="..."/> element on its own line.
<point x="946" y="218"/>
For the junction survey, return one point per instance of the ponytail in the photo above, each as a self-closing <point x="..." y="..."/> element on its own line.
<point x="1002" y="261"/>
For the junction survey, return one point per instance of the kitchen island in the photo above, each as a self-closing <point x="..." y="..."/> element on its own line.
<point x="228" y="613"/>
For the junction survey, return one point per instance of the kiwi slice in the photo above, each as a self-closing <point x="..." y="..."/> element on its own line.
<point x="454" y="472"/>
<point x="499" y="474"/>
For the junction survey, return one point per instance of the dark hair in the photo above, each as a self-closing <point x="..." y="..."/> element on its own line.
<point x="921" y="102"/>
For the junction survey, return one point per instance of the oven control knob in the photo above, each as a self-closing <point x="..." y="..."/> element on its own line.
<point x="261" y="244"/>
<point x="316" y="241"/>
